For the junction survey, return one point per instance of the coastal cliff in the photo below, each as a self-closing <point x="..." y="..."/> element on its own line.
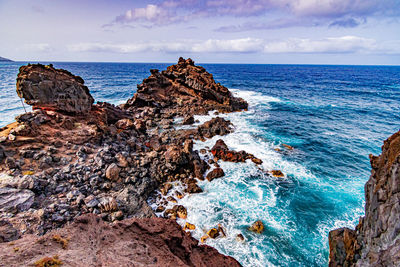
<point x="376" y="239"/>
<point x="70" y="157"/>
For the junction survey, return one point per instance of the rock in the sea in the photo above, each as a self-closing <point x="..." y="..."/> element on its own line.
<point x="13" y="200"/>
<point x="54" y="89"/>
<point x="188" y="120"/>
<point x="216" y="173"/>
<point x="215" y="126"/>
<point x="257" y="227"/>
<point x="277" y="173"/>
<point x="213" y="233"/>
<point x="220" y="151"/>
<point x="184" y="85"/>
<point x="376" y="239"/>
<point x="193" y="188"/>
<point x="131" y="242"/>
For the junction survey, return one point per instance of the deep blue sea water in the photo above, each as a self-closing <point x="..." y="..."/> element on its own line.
<point x="333" y="116"/>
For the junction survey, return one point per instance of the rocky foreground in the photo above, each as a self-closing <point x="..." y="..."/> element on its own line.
<point x="70" y="158"/>
<point x="376" y="239"/>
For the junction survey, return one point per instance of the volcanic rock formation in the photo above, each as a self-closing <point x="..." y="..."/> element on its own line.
<point x="189" y="87"/>
<point x="376" y="239"/>
<point x="53" y="89"/>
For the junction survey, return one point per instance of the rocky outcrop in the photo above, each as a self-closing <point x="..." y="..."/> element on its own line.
<point x="187" y="87"/>
<point x="71" y="157"/>
<point x="376" y="239"/>
<point x="89" y="241"/>
<point x="53" y="89"/>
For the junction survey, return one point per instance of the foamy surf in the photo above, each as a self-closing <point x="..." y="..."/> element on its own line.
<point x="248" y="193"/>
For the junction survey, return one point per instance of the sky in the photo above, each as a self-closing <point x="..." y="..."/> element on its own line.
<point x="356" y="32"/>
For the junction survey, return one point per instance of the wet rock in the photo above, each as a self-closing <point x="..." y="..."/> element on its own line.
<point x="216" y="173"/>
<point x="193" y="188"/>
<point x="240" y="238"/>
<point x="112" y="172"/>
<point x="181" y="211"/>
<point x="257" y="227"/>
<point x="287" y="146"/>
<point x="220" y="151"/>
<point x="14" y="200"/>
<point x="188" y="120"/>
<point x="189" y="226"/>
<point x="215" y="126"/>
<point x="213" y="233"/>
<point x="165" y="188"/>
<point x="50" y="88"/>
<point x="256" y="160"/>
<point x="277" y="173"/>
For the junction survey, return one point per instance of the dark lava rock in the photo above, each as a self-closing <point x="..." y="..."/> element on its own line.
<point x="216" y="173"/>
<point x="55" y="89"/>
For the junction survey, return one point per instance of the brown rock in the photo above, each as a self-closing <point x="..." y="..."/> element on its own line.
<point x="165" y="189"/>
<point x="193" y="188"/>
<point x="257" y="227"/>
<point x="55" y="89"/>
<point x="216" y="173"/>
<point x="277" y="173"/>
<point x="112" y="172"/>
<point x="188" y="120"/>
<point x="124" y="124"/>
<point x="240" y="238"/>
<point x="184" y="83"/>
<point x="220" y="151"/>
<point x="215" y="126"/>
<point x="181" y="211"/>
<point x="189" y="226"/>
<point x="213" y="233"/>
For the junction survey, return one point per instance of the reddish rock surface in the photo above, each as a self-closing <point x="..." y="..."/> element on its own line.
<point x="220" y="151"/>
<point x="216" y="173"/>
<point x="187" y="86"/>
<point x="133" y="242"/>
<point x="375" y="241"/>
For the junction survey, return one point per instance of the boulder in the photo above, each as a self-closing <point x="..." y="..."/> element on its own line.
<point x="14" y="200"/>
<point x="215" y="126"/>
<point x="53" y="89"/>
<point x="257" y="227"/>
<point x="112" y="172"/>
<point x="216" y="173"/>
<point x="188" y="120"/>
<point x="193" y="188"/>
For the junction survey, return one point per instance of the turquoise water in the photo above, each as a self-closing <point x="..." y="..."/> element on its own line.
<point x="333" y="116"/>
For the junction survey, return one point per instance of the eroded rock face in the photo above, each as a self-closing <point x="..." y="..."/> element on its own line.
<point x="54" y="89"/>
<point x="132" y="242"/>
<point x="376" y="239"/>
<point x="184" y="85"/>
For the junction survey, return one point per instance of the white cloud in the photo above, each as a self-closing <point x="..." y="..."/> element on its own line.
<point x="344" y="44"/>
<point x="38" y="47"/>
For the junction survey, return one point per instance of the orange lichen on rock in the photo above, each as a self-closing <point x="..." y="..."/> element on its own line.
<point x="60" y="240"/>
<point x="277" y="173"/>
<point x="49" y="262"/>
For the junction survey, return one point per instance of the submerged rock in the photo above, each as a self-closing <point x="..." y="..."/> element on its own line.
<point x="55" y="89"/>
<point x="257" y="227"/>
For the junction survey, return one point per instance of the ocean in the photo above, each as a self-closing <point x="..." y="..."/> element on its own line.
<point x="333" y="117"/>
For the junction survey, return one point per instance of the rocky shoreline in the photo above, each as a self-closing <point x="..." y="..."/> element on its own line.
<point x="71" y="157"/>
